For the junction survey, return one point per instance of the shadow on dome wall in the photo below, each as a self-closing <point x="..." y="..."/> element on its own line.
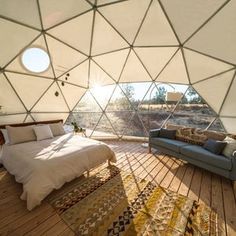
<point x="132" y="109"/>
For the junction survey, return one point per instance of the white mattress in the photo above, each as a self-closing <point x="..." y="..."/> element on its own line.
<point x="42" y="166"/>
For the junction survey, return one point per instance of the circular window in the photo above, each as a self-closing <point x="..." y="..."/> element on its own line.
<point x="35" y="60"/>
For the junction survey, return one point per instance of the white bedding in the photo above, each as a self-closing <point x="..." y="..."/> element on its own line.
<point x="42" y="166"/>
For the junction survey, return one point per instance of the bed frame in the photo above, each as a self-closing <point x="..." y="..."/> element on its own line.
<point x="2" y="141"/>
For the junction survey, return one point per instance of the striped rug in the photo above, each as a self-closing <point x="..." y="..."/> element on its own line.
<point x="113" y="202"/>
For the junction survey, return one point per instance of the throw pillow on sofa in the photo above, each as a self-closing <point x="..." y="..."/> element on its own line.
<point x="214" y="135"/>
<point x="214" y="146"/>
<point x="230" y="147"/>
<point x="166" y="133"/>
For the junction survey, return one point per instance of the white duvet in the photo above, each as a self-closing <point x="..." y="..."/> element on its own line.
<point x="42" y="166"/>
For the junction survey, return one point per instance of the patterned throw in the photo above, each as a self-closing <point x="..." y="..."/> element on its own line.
<point x="113" y="202"/>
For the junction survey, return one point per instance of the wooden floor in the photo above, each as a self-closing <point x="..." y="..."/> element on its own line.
<point x="213" y="190"/>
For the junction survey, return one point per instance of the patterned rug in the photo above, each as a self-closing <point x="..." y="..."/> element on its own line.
<point x="113" y="202"/>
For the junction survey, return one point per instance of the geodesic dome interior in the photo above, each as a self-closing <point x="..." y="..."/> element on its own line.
<point x="185" y="46"/>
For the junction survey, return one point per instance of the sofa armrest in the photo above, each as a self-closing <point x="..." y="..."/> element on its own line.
<point x="234" y="154"/>
<point x="154" y="133"/>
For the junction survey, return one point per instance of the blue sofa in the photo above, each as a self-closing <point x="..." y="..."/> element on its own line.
<point x="194" y="154"/>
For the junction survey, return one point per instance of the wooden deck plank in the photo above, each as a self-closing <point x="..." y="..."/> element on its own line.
<point x="45" y="226"/>
<point x="186" y="181"/>
<point x="174" y="185"/>
<point x="205" y="193"/>
<point x="30" y="221"/>
<point x="217" y="203"/>
<point x="195" y="187"/>
<point x="170" y="175"/>
<point x="67" y="232"/>
<point x="229" y="206"/>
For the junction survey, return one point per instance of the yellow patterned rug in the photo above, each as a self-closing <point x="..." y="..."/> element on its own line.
<point x="113" y="202"/>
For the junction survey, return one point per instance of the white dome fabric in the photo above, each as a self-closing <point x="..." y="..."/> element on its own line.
<point x="108" y="42"/>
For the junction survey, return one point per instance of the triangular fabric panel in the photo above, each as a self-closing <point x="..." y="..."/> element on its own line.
<point x="101" y="2"/>
<point x="87" y="104"/>
<point x="161" y="34"/>
<point x="50" y="116"/>
<point x="71" y="93"/>
<point x="228" y="108"/>
<point x="92" y="1"/>
<point x="76" y="32"/>
<point x="113" y="62"/>
<point x="50" y="102"/>
<point x="217" y="86"/>
<point x="105" y="38"/>
<point x="201" y="67"/>
<point x="78" y="75"/>
<point x="229" y="124"/>
<point x="56" y="11"/>
<point x="97" y="77"/>
<point x="24" y="11"/>
<point x="12" y="119"/>
<point x="29" y="88"/>
<point x="134" y="70"/>
<point x="126" y="16"/>
<point x="120" y="119"/>
<point x="217" y="38"/>
<point x="188" y="15"/>
<point x="104" y="128"/>
<point x="102" y="94"/>
<point x="67" y="60"/>
<point x="17" y="66"/>
<point x="175" y="71"/>
<point x="9" y="101"/>
<point x="155" y="58"/>
<point x="14" y="38"/>
<point x="119" y="101"/>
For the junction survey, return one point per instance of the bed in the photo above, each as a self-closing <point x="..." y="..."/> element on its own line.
<point x="42" y="166"/>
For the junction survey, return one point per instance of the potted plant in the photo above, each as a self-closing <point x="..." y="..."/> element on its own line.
<point x="76" y="127"/>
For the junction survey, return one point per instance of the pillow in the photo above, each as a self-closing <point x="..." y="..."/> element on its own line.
<point x="5" y="135"/>
<point x="230" y="147"/>
<point x="68" y="129"/>
<point x="21" y="134"/>
<point x="176" y="127"/>
<point x="166" y="133"/>
<point x="214" y="146"/>
<point x="57" y="129"/>
<point x="43" y="132"/>
<point x="214" y="135"/>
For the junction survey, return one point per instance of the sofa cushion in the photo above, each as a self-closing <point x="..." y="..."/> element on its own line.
<point x="170" y="144"/>
<point x="214" y="146"/>
<point x="201" y="154"/>
<point x="166" y="133"/>
<point x="214" y="135"/>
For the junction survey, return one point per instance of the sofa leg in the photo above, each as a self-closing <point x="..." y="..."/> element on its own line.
<point x="109" y="163"/>
<point x="149" y="149"/>
<point x="234" y="186"/>
<point x="87" y="173"/>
